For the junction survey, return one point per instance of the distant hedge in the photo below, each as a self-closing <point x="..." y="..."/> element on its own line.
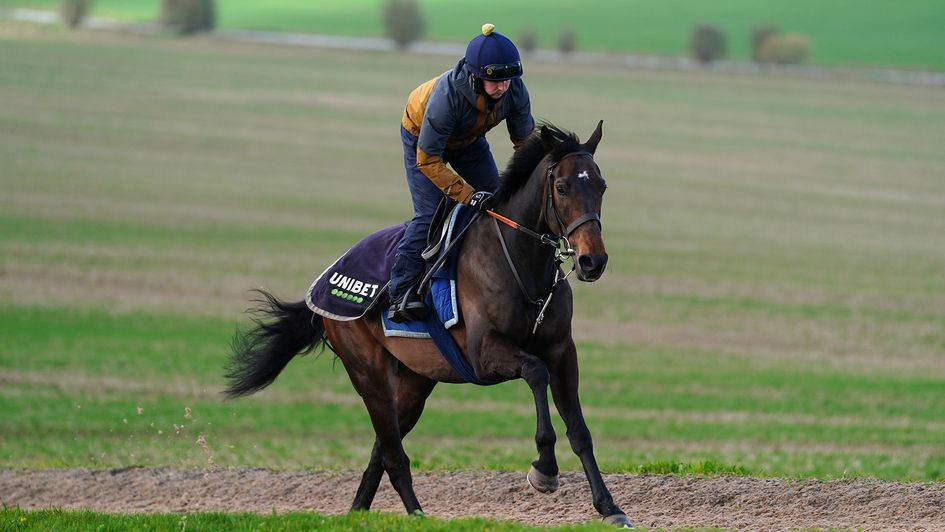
<point x="758" y="36"/>
<point x="403" y="21"/>
<point x="527" y="40"/>
<point x="187" y="16"/>
<point x="788" y="49"/>
<point x="567" y="40"/>
<point x="73" y="12"/>
<point x="707" y="43"/>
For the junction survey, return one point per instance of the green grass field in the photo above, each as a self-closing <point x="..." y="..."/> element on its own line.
<point x="774" y="302"/>
<point x="843" y="32"/>
<point x="14" y="519"/>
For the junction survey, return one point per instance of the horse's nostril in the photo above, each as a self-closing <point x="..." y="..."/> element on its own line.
<point x="586" y="262"/>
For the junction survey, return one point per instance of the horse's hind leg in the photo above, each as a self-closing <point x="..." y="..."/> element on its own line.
<point x="370" y="480"/>
<point x="372" y="371"/>
<point x="379" y="400"/>
<point x="412" y="391"/>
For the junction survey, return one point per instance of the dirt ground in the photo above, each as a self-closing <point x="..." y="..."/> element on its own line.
<point x="651" y="501"/>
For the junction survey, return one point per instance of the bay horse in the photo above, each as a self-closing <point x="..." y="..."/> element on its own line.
<point x="510" y="327"/>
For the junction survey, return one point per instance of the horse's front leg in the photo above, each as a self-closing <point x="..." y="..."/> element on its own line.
<point x="499" y="357"/>
<point x="564" y="389"/>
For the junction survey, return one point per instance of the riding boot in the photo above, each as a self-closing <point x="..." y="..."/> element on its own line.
<point x="408" y="268"/>
<point x="409" y="308"/>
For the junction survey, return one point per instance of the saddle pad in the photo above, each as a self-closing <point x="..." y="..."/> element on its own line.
<point x="442" y="295"/>
<point x="442" y="298"/>
<point x="355" y="282"/>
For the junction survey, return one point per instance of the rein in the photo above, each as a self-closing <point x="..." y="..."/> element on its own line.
<point x="566" y="253"/>
<point x="560" y="242"/>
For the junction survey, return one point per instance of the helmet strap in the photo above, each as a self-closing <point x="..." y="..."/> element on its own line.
<point x="477" y="85"/>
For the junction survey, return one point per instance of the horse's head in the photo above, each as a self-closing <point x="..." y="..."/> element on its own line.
<point x="575" y="190"/>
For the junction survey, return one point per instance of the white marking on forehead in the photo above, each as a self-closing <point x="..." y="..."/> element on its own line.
<point x="583" y="175"/>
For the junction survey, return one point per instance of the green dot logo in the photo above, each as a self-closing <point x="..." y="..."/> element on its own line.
<point x="334" y="291"/>
<point x="360" y="300"/>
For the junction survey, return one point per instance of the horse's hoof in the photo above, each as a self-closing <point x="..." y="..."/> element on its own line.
<point x="542" y="482"/>
<point x="618" y="520"/>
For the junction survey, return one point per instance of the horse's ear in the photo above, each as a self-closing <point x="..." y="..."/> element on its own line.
<point x="591" y="144"/>
<point x="547" y="138"/>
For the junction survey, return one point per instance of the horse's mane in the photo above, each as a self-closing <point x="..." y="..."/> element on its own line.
<point x="529" y="154"/>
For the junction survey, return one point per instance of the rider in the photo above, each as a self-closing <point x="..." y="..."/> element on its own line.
<point x="445" y="121"/>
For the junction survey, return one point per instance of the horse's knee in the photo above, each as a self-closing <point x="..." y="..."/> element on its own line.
<point x="535" y="373"/>
<point x="580" y="441"/>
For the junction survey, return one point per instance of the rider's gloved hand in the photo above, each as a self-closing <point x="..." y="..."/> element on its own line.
<point x="481" y="200"/>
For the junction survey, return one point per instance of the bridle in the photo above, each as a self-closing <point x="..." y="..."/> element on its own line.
<point x="560" y="242"/>
<point x="550" y="204"/>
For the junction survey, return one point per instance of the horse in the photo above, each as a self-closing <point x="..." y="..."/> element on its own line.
<point x="510" y="327"/>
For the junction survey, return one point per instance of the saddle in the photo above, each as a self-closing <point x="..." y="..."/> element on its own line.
<point x="356" y="283"/>
<point x="436" y="233"/>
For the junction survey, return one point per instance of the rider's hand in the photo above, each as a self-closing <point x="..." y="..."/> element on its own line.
<point x="481" y="200"/>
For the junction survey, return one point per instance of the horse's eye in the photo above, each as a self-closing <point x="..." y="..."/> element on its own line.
<point x="561" y="188"/>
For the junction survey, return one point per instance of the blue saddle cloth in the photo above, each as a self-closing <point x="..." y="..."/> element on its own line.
<point x="357" y="282"/>
<point x="441" y="297"/>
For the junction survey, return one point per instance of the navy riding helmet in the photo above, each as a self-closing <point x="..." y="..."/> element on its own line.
<point x="493" y="56"/>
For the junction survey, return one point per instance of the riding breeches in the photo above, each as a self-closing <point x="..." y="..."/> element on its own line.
<point x="474" y="163"/>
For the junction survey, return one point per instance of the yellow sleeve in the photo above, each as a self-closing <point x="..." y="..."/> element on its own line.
<point x="443" y="177"/>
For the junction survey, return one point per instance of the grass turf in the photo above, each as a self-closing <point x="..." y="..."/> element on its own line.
<point x="15" y="519"/>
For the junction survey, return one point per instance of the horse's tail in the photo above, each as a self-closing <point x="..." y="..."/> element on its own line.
<point x="260" y="354"/>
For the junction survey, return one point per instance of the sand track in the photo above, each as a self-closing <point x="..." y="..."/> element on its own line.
<point x="662" y="501"/>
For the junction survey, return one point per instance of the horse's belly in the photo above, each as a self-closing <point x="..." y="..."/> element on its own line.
<point x="423" y="358"/>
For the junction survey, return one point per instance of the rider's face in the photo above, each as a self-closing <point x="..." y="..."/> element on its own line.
<point x="495" y="89"/>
